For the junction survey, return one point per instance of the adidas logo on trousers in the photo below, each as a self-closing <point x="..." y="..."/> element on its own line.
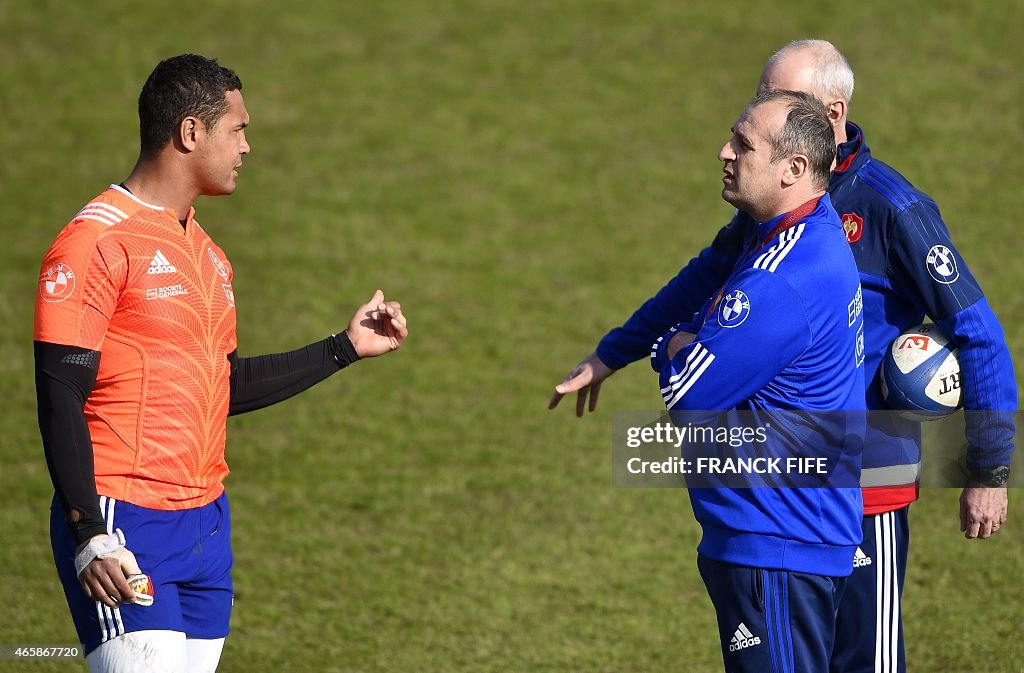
<point x="743" y="639"/>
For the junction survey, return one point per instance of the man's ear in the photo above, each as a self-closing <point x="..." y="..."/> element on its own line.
<point x="188" y="132"/>
<point x="796" y="169"/>
<point x="836" y="111"/>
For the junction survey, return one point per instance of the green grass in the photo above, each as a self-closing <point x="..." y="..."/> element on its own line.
<point x="520" y="175"/>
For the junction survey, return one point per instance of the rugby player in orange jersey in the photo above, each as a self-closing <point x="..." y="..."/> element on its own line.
<point x="137" y="371"/>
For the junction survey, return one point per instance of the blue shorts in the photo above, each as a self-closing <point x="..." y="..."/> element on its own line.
<point x="772" y="621"/>
<point x="870" y="635"/>
<point x="186" y="553"/>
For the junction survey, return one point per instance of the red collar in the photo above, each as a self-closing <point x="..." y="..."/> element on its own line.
<point x="857" y="141"/>
<point x="791" y="219"/>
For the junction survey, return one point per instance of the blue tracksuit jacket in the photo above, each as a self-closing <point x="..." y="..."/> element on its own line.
<point x="784" y="332"/>
<point x="909" y="268"/>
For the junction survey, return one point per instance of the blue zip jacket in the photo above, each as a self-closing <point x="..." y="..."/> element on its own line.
<point x="909" y="268"/>
<point x="784" y="332"/>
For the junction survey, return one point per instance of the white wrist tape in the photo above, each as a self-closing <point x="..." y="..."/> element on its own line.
<point x="113" y="546"/>
<point x="101" y="546"/>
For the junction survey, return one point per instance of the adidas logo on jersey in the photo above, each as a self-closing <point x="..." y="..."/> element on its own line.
<point x="161" y="264"/>
<point x="860" y="559"/>
<point x="743" y="639"/>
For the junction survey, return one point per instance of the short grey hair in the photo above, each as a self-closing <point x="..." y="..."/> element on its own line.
<point x="807" y="131"/>
<point x="831" y="74"/>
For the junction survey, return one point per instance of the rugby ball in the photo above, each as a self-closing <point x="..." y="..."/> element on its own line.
<point x="142" y="585"/>
<point x="921" y="374"/>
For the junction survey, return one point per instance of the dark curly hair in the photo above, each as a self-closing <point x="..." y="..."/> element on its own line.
<point x="182" y="86"/>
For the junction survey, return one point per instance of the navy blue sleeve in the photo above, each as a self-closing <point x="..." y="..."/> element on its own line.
<point x="679" y="299"/>
<point x="927" y="267"/>
<point x="988" y="383"/>
<point x="734" y="356"/>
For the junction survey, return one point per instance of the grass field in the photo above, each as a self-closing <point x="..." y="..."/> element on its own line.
<point x="521" y="175"/>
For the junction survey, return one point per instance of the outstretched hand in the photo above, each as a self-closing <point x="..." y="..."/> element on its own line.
<point x="378" y="327"/>
<point x="586" y="378"/>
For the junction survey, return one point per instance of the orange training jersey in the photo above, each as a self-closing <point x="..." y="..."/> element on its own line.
<point x="124" y="278"/>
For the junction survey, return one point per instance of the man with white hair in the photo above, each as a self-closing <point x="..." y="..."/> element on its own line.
<point x="909" y="269"/>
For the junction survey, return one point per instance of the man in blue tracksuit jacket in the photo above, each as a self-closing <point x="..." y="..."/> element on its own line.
<point x="909" y="268"/>
<point x="784" y="331"/>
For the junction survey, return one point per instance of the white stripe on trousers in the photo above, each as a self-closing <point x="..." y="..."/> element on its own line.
<point x="111" y="625"/>
<point x="894" y="631"/>
<point x="887" y="595"/>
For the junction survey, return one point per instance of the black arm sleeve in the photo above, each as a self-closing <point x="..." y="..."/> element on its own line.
<point x="263" y="380"/>
<point x="65" y="376"/>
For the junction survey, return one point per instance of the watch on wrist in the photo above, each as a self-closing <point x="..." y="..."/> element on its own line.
<point x="991" y="478"/>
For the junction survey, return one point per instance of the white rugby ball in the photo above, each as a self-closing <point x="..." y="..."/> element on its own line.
<point x="921" y="374"/>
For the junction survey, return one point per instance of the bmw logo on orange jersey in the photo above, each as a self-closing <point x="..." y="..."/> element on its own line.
<point x="57" y="283"/>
